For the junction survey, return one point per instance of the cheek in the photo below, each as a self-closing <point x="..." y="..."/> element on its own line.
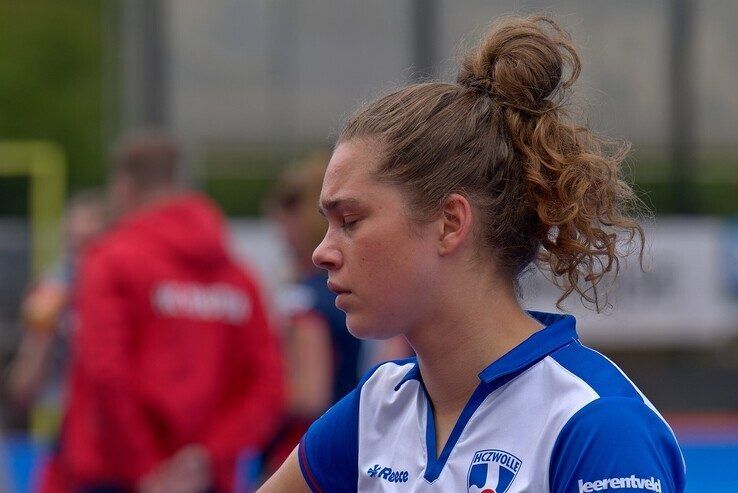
<point x="399" y="273"/>
<point x="394" y="283"/>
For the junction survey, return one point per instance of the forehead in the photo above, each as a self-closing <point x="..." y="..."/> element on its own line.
<point x="349" y="173"/>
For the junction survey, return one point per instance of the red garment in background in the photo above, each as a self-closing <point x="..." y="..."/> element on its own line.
<point x="174" y="348"/>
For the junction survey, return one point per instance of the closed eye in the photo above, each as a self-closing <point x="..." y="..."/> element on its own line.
<point x="349" y="224"/>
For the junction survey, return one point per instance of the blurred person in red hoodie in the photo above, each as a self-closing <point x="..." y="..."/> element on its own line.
<point x="175" y="368"/>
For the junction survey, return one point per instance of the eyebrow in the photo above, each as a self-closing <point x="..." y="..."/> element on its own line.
<point x="333" y="204"/>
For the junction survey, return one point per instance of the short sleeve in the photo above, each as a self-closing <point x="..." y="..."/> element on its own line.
<point x="616" y="443"/>
<point x="328" y="453"/>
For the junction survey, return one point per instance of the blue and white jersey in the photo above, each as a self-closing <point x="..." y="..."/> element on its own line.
<point x="551" y="415"/>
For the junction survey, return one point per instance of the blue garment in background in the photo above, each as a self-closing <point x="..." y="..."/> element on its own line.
<point x="311" y="295"/>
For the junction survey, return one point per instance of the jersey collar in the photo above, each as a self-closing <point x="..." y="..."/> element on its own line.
<point x="559" y="331"/>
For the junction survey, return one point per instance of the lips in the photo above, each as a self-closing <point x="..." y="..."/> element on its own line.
<point x="337" y="288"/>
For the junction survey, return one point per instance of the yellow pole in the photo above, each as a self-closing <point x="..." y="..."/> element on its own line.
<point x="44" y="164"/>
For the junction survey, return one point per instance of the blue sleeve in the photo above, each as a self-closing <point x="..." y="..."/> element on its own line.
<point x="616" y="443"/>
<point x="329" y="451"/>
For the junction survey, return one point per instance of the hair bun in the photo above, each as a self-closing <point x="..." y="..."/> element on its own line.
<point x="521" y="62"/>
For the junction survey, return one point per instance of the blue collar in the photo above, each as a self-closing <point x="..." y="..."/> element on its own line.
<point x="559" y="331"/>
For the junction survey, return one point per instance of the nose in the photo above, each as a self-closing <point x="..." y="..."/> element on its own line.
<point x="327" y="256"/>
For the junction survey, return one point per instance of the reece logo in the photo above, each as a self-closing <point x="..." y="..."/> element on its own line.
<point x="388" y="474"/>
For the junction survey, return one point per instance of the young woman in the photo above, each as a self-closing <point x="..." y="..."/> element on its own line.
<point x="438" y="196"/>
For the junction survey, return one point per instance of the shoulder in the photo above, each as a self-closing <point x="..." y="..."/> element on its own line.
<point x="571" y="378"/>
<point x="114" y="245"/>
<point x="615" y="434"/>
<point x="607" y="397"/>
<point x="616" y="442"/>
<point x="595" y="371"/>
<point x="328" y="459"/>
<point x="108" y="255"/>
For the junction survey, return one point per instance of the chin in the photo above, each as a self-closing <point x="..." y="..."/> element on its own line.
<point x="363" y="328"/>
<point x="358" y="329"/>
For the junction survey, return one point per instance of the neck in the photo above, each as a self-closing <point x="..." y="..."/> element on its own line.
<point x="473" y="327"/>
<point x="149" y="199"/>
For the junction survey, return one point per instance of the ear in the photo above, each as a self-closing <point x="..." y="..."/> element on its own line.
<point x="456" y="223"/>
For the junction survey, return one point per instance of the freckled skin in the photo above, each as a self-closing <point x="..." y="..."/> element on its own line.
<point x="391" y="271"/>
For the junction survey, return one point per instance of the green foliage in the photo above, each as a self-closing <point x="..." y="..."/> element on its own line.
<point x="240" y="180"/>
<point x="716" y="198"/>
<point x="240" y="196"/>
<point x="713" y="186"/>
<point x="51" y="80"/>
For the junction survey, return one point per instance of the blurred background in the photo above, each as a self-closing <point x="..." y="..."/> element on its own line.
<point x="251" y="86"/>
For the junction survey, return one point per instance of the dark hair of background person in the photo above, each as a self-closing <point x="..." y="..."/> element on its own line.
<point x="546" y="187"/>
<point x="148" y="157"/>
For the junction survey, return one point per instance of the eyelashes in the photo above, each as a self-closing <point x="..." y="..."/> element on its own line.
<point x="349" y="225"/>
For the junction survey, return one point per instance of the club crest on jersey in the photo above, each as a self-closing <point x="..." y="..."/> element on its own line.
<point x="492" y="471"/>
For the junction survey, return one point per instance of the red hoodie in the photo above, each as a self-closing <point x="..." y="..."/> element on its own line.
<point x="173" y="348"/>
